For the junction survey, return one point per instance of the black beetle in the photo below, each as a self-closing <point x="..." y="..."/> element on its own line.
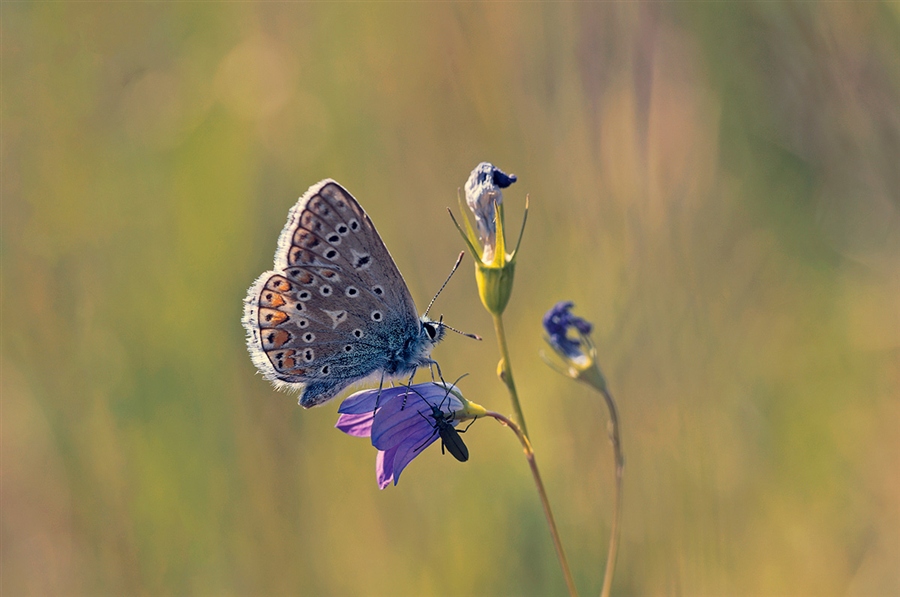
<point x="450" y="439"/>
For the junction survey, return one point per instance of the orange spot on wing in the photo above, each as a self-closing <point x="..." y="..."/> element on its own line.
<point x="270" y="298"/>
<point x="274" y="338"/>
<point x="278" y="284"/>
<point x="269" y="318"/>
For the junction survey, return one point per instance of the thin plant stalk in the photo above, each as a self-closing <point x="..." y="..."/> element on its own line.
<point x="617" y="504"/>
<point x="586" y="371"/>
<point x="504" y="370"/>
<point x="595" y="379"/>
<point x="545" y="502"/>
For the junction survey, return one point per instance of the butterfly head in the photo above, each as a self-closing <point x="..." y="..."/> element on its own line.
<point x="432" y="331"/>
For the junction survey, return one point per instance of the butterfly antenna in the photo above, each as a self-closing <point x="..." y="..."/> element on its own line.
<point x="452" y="329"/>
<point x="453" y="271"/>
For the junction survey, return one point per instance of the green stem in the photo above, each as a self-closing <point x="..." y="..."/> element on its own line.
<point x="617" y="504"/>
<point x="532" y="463"/>
<point x="504" y="370"/>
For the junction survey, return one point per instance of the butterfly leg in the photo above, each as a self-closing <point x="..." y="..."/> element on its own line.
<point x="408" y="387"/>
<point x="435" y="365"/>
<point x="446" y="397"/>
<point x="406" y="397"/>
<point x="378" y="395"/>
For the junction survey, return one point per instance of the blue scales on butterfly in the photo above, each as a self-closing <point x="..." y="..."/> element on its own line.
<point x="335" y="310"/>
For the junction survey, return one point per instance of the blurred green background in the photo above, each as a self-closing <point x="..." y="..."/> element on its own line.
<point x="716" y="186"/>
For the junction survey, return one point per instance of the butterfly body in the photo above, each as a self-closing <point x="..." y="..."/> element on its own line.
<point x="334" y="311"/>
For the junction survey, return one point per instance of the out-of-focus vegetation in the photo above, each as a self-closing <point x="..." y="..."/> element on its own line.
<point x="716" y="186"/>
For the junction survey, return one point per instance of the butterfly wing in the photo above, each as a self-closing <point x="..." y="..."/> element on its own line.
<point x="335" y="305"/>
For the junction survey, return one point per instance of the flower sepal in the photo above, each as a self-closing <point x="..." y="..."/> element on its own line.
<point x="469" y="410"/>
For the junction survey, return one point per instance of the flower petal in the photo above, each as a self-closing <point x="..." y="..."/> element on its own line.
<point x="364" y="400"/>
<point x="407" y="451"/>
<point x="502" y="179"/>
<point x="436" y="394"/>
<point x="357" y="425"/>
<point x="360" y="402"/>
<point x="384" y="468"/>
<point x="483" y="195"/>
<point x="557" y="322"/>
<point x="394" y="424"/>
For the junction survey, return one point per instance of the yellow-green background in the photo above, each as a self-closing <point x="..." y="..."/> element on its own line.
<point x="714" y="185"/>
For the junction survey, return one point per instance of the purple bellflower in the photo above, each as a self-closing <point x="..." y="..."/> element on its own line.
<point x="557" y="323"/>
<point x="576" y="350"/>
<point x="404" y="424"/>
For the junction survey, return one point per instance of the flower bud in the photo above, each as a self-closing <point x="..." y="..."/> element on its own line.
<point x="577" y="353"/>
<point x="495" y="268"/>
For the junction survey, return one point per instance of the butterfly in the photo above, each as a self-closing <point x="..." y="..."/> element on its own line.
<point x="335" y="310"/>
